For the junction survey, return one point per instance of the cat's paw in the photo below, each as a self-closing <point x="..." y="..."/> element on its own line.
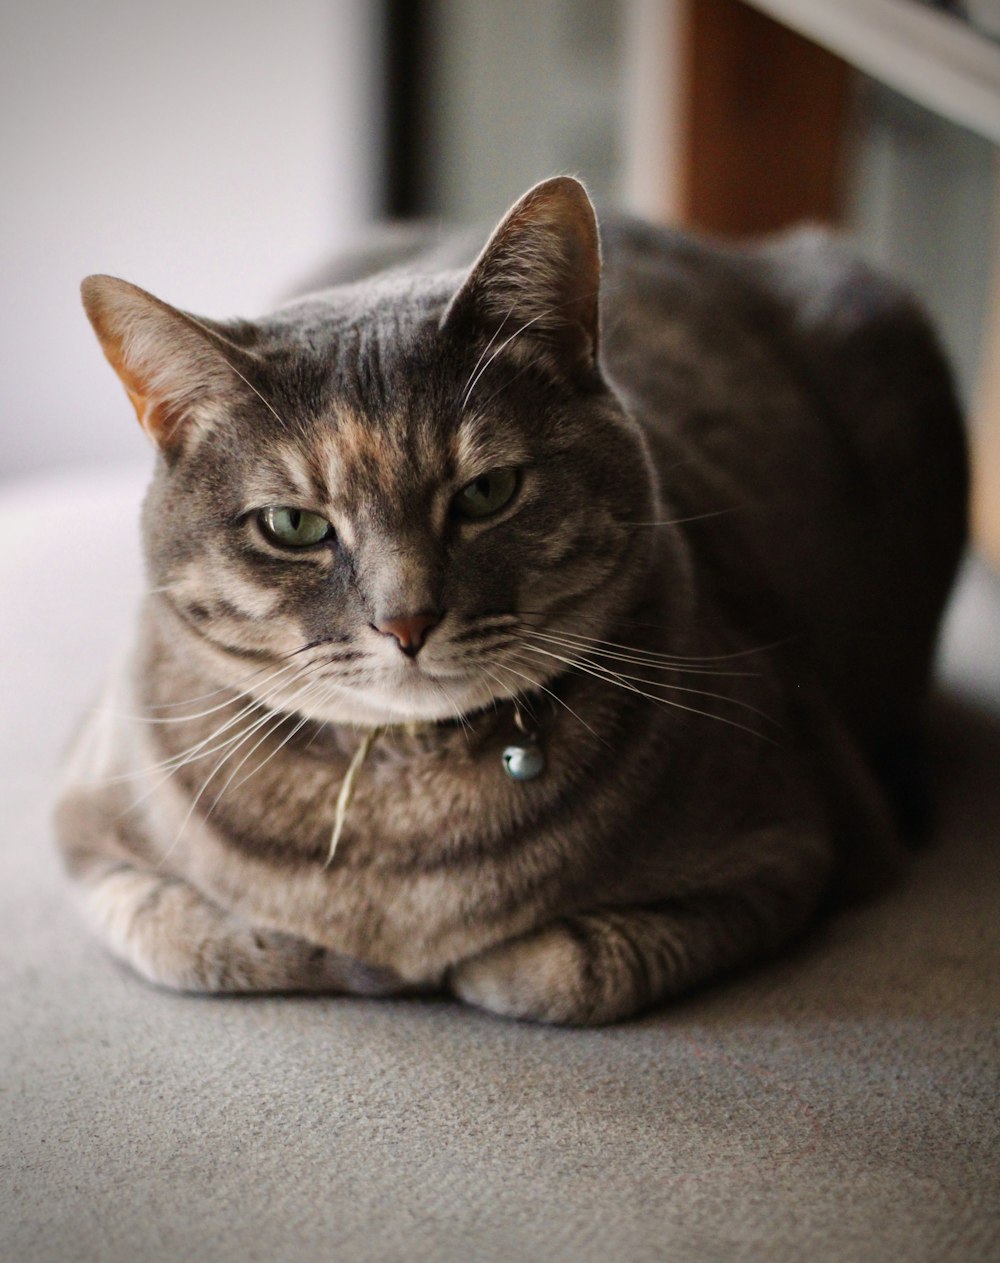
<point x="171" y="935"/>
<point x="541" y="977"/>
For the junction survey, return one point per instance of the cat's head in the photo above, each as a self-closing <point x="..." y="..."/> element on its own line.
<point x="391" y="500"/>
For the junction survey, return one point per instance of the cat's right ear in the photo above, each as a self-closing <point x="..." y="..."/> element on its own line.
<point x="173" y="366"/>
<point x="539" y="277"/>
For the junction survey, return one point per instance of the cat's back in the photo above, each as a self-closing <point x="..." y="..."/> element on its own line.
<point x="791" y="337"/>
<point x="801" y="399"/>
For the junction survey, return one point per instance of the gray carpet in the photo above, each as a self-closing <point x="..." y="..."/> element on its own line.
<point x="840" y="1104"/>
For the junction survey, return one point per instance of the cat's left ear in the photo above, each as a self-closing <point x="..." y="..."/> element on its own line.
<point x="176" y="368"/>
<point x="538" y="277"/>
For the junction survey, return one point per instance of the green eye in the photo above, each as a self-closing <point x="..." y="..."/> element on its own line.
<point x="294" y="528"/>
<point x="487" y="494"/>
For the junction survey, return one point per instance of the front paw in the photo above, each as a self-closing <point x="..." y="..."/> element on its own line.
<point x="541" y="977"/>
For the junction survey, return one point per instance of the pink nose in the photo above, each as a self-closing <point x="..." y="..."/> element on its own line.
<point x="410" y="631"/>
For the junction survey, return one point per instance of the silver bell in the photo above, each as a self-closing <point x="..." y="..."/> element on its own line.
<point x="523" y="762"/>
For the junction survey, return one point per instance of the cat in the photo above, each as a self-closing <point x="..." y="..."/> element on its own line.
<point x="556" y="650"/>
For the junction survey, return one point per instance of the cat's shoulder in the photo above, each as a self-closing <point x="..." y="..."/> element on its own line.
<point x="814" y="269"/>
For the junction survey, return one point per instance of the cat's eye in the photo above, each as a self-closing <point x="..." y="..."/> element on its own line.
<point x="486" y="494"/>
<point x="293" y="528"/>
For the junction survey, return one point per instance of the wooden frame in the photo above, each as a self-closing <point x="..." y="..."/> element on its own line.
<point x="765" y="121"/>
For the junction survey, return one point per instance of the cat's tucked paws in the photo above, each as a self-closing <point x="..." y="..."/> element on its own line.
<point x="174" y="937"/>
<point x="543" y="977"/>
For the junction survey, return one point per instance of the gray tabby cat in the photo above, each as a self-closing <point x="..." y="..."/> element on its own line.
<point x="478" y="659"/>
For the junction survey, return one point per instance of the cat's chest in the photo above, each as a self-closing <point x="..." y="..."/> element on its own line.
<point x="402" y="801"/>
<point x="441" y="852"/>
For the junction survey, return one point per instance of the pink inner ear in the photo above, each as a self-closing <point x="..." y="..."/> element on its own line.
<point x="162" y="357"/>
<point x="159" y="421"/>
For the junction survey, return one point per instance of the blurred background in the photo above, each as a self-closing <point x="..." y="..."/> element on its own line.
<point x="216" y="154"/>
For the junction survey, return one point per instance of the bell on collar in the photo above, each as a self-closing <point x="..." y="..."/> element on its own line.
<point x="525" y="761"/>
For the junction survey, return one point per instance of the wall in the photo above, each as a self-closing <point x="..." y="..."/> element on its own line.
<point x="210" y="152"/>
<point x="520" y="91"/>
<point x="922" y="193"/>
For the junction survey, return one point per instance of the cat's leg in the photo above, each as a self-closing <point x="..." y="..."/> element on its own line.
<point x="167" y="932"/>
<point x="608" y="964"/>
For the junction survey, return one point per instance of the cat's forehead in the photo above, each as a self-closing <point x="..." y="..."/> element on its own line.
<point x="364" y="453"/>
<point x="387" y="409"/>
<point x="357" y="463"/>
<point x="362" y="325"/>
<point x="364" y="357"/>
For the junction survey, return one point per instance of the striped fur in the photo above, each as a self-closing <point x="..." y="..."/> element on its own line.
<point x="713" y="595"/>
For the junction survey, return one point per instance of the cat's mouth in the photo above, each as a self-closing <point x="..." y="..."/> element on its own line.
<point x="414" y="692"/>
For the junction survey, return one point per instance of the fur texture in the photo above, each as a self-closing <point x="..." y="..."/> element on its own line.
<point x="712" y="597"/>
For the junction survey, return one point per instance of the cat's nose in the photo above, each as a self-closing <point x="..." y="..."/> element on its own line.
<point x="410" y="630"/>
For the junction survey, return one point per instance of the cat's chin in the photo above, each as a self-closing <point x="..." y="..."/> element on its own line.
<point x="425" y="701"/>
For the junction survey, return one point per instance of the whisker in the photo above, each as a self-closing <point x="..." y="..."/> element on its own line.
<point x="212" y="710"/>
<point x="481" y="368"/>
<point x="505" y="694"/>
<point x="609" y="677"/>
<point x="204" y="697"/>
<point x="674" y="688"/>
<point x="275" y="719"/>
<point x="173" y="767"/>
<point x="237" y="686"/>
<point x="509" y="381"/>
<point x="672" y="657"/>
<point x="459" y="714"/>
<point x="637" y="657"/>
<point x="469" y="383"/>
<point x="484" y="627"/>
<point x="215" y="339"/>
<point x="694" y="517"/>
<point x="499" y="351"/>
<point x="279" y="717"/>
<point x="175" y="762"/>
<point x="320" y="725"/>
<point x="199" y="751"/>
<point x="312" y="690"/>
<point x="325" y="692"/>
<point x="502" y="666"/>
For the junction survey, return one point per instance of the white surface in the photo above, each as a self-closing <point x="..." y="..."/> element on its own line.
<point x="938" y="60"/>
<point x="209" y="152"/>
<point x="70" y="575"/>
